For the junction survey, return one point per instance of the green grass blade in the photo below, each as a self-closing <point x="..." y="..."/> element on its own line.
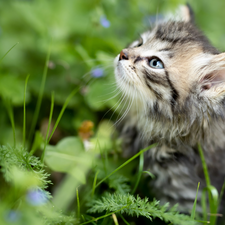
<point x="205" y="170"/>
<point x="8" y="52"/>
<point x="62" y="111"/>
<point x="150" y="174"/>
<point x="8" y="105"/>
<point x="94" y="183"/>
<point x="195" y="203"/>
<point x="124" y="219"/>
<point x="49" y="124"/>
<point x="221" y="193"/>
<point x="212" y="192"/>
<point x="105" y="220"/>
<point x="82" y="216"/>
<point x="124" y="164"/>
<point x="140" y="170"/>
<point x="102" y="156"/>
<point x="101" y="217"/>
<point x="214" y="198"/>
<point x="40" y="97"/>
<point x="78" y="204"/>
<point x="204" y="204"/>
<point x="24" y="112"/>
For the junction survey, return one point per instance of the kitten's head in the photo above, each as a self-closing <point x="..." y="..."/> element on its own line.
<point x="173" y="69"/>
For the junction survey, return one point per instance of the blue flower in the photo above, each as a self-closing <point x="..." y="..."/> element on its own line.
<point x="36" y="197"/>
<point x="97" y="72"/>
<point x="104" y="22"/>
<point x="12" y="216"/>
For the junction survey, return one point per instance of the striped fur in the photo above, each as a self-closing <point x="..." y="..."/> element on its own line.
<point x="178" y="106"/>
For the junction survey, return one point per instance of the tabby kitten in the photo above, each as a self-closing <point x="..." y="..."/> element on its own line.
<point x="174" y="79"/>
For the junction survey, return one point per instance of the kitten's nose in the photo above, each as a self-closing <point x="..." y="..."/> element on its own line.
<point x="123" y="55"/>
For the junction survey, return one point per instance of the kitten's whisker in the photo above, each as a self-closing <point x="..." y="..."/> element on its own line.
<point x="106" y="100"/>
<point x="123" y="95"/>
<point x="89" y="72"/>
<point x="98" y="60"/>
<point x="90" y="81"/>
<point x="125" y="91"/>
<point x="113" y="84"/>
<point x="127" y="110"/>
<point x="157" y="16"/>
<point x="136" y="99"/>
<point x="118" y="105"/>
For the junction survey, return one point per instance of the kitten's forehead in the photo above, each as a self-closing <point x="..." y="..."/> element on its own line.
<point x="179" y="33"/>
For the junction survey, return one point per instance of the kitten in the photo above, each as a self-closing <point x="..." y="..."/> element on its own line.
<point x="174" y="79"/>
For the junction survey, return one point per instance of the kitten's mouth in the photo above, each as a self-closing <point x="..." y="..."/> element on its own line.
<point x="127" y="77"/>
<point x="125" y="71"/>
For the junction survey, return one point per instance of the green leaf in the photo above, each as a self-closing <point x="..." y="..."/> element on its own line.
<point x="69" y="156"/>
<point x="128" y="204"/>
<point x="65" y="193"/>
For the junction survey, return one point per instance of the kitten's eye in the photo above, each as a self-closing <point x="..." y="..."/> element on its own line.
<point x="156" y="63"/>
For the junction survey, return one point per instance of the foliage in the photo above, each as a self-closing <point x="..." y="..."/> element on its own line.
<point x="20" y="167"/>
<point x="132" y="206"/>
<point x="53" y="169"/>
<point x="23" y="199"/>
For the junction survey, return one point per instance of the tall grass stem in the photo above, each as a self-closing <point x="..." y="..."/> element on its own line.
<point x="124" y="164"/>
<point x="24" y="112"/>
<point x="49" y="125"/>
<point x="140" y="170"/>
<point x="78" y="204"/>
<point x="195" y="203"/>
<point x="8" y="105"/>
<point x="8" y="51"/>
<point x="94" y="183"/>
<point x="101" y="217"/>
<point x="62" y="111"/>
<point x="212" y="192"/>
<point x="40" y="97"/>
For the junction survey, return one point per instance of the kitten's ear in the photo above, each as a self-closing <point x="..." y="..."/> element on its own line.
<point x="212" y="78"/>
<point x="187" y="13"/>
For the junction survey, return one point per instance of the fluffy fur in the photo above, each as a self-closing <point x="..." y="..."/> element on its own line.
<point x="177" y="106"/>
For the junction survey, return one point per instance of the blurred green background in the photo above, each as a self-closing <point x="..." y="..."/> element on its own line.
<point x="82" y="38"/>
<point x="83" y="35"/>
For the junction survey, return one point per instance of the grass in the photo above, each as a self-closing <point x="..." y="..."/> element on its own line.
<point x="212" y="191"/>
<point x="86" y="187"/>
<point x="40" y="97"/>
<point x="116" y="203"/>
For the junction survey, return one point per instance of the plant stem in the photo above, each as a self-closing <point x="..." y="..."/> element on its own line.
<point x="40" y="96"/>
<point x="24" y="112"/>
<point x="49" y="124"/>
<point x="141" y="165"/>
<point x="124" y="164"/>
<point x="101" y="217"/>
